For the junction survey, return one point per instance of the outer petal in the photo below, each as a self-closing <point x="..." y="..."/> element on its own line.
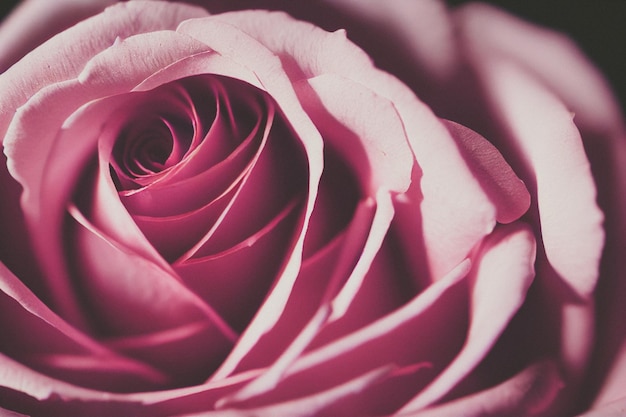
<point x="373" y="122"/>
<point x="550" y="57"/>
<point x="507" y="192"/>
<point x="65" y="55"/>
<point x="541" y="133"/>
<point x="34" y="21"/>
<point x="423" y="29"/>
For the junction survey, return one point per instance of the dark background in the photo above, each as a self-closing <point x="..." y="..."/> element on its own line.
<point x="598" y="26"/>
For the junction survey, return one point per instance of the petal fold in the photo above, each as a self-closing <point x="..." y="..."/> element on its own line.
<point x="502" y="274"/>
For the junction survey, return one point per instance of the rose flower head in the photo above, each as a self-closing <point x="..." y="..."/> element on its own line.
<point x="231" y="211"/>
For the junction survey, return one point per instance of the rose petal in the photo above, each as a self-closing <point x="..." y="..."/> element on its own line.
<point x="507" y="192"/>
<point x="235" y="281"/>
<point x="62" y="341"/>
<point x="194" y="347"/>
<point x="270" y="185"/>
<point x="314" y="403"/>
<point x="388" y="336"/>
<point x="350" y="252"/>
<point x="388" y="284"/>
<point x="246" y="51"/>
<point x="202" y="63"/>
<point x="140" y="288"/>
<point x="94" y="82"/>
<point x="65" y="55"/>
<point x="501" y="277"/>
<point x="447" y="186"/>
<point x="47" y="185"/>
<point x="33" y="22"/>
<point x="173" y="236"/>
<point x="160" y="201"/>
<point x="530" y="392"/>
<point x="224" y="113"/>
<point x="342" y="299"/>
<point x="614" y="408"/>
<point x="8" y="413"/>
<point x="341" y="291"/>
<point x="544" y="137"/>
<point x="337" y="198"/>
<point x="614" y="381"/>
<point x="545" y="54"/>
<point x="422" y="30"/>
<point x="371" y="123"/>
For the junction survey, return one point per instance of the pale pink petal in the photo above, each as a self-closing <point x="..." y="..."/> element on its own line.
<point x="424" y="31"/>
<point x="544" y="137"/>
<point x="529" y="393"/>
<point x="15" y="246"/>
<point x="507" y="192"/>
<point x="550" y="57"/>
<point x="577" y="333"/>
<point x="34" y="21"/>
<point x="201" y="63"/>
<point x="608" y="367"/>
<point x="245" y="51"/>
<point x="455" y="211"/>
<point x="64" y="56"/>
<point x="363" y="128"/>
<point x="502" y="274"/>
<point x="96" y="81"/>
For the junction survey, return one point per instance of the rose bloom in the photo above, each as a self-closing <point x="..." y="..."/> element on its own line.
<point x="240" y="214"/>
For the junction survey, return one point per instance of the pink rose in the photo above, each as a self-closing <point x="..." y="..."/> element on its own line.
<point x="239" y="214"/>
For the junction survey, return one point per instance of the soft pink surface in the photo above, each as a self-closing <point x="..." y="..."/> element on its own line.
<point x="297" y="233"/>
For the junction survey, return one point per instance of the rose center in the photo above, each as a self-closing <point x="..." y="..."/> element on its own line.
<point x="147" y="153"/>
